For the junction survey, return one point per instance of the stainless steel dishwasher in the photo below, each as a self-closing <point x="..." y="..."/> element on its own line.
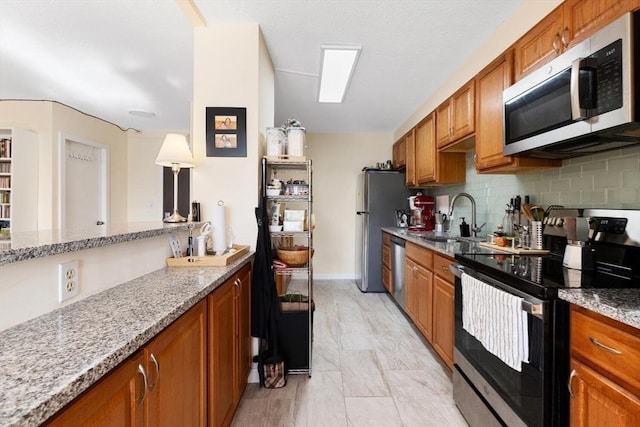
<point x="397" y="268"/>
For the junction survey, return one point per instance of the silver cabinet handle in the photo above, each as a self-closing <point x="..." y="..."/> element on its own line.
<point x="142" y="372"/>
<point x="240" y="286"/>
<point x="604" y="347"/>
<point x="571" y="376"/>
<point x="565" y="37"/>
<point x="556" y="43"/>
<point x="237" y="285"/>
<point x="157" y="365"/>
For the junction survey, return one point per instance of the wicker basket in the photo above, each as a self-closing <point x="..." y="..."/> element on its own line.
<point x="294" y="257"/>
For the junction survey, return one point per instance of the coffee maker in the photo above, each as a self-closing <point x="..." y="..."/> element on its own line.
<point x="422" y="213"/>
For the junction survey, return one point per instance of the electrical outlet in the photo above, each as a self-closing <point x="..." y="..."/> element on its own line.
<point x="68" y="280"/>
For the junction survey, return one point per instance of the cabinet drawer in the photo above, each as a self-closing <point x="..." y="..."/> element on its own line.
<point x="386" y="239"/>
<point x="441" y="268"/>
<point x="606" y="345"/>
<point x="422" y="256"/>
<point x="386" y="256"/>
<point x="386" y="279"/>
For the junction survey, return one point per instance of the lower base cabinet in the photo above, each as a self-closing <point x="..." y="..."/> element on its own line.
<point x="163" y="384"/>
<point x="193" y="373"/>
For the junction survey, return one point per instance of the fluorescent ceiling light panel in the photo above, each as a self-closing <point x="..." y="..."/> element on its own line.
<point x="338" y="63"/>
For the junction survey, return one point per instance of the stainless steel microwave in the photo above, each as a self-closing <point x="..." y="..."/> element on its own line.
<point x="585" y="101"/>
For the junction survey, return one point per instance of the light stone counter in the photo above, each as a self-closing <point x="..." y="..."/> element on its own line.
<point x="48" y="361"/>
<point x="622" y="305"/>
<point x="38" y="244"/>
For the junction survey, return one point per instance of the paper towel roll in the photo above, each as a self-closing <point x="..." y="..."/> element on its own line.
<point x="219" y="228"/>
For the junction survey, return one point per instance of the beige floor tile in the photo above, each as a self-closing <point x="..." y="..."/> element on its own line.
<point x="372" y="412"/>
<point x="370" y="367"/>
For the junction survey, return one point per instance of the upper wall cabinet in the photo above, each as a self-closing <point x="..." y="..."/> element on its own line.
<point x="433" y="167"/>
<point x="455" y="118"/>
<point x="410" y="146"/>
<point x="400" y="154"/>
<point x="490" y="83"/>
<point x="568" y="24"/>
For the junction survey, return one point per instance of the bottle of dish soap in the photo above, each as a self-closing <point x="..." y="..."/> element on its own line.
<point x="464" y="229"/>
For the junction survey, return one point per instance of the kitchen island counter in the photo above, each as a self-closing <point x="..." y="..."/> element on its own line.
<point x="48" y="361"/>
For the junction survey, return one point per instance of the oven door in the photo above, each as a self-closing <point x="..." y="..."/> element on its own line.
<point x="523" y="398"/>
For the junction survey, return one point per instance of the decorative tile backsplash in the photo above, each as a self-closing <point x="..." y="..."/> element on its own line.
<point x="605" y="180"/>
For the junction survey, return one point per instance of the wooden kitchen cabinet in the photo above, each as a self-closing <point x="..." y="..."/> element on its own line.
<point x="433" y="167"/>
<point x="229" y="346"/>
<point x="400" y="154"/>
<point x="116" y="400"/>
<point x="443" y="309"/>
<point x="410" y="145"/>
<point x="565" y="26"/>
<point x="490" y="84"/>
<point x="455" y="117"/>
<point x="163" y="384"/>
<point x="604" y="382"/>
<point x="387" y="278"/>
<point x="419" y="288"/>
<point x="176" y="366"/>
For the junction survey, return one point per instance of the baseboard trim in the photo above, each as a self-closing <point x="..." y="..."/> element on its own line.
<point x="331" y="276"/>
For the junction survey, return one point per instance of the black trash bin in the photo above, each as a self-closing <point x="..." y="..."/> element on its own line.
<point x="293" y="334"/>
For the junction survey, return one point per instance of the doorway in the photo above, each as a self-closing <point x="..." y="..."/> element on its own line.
<point x="83" y="184"/>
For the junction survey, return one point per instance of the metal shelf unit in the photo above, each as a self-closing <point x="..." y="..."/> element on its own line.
<point x="301" y="170"/>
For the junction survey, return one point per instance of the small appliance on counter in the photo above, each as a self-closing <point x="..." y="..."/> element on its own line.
<point x="422" y="213"/>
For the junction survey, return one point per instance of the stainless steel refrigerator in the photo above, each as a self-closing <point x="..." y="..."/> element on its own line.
<point x="379" y="194"/>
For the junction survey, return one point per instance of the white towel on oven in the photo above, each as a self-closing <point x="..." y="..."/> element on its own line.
<point x="496" y="319"/>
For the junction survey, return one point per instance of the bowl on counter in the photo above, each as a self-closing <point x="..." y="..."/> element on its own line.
<point x="296" y="256"/>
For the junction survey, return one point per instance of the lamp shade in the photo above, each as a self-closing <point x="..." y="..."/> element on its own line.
<point x="175" y="150"/>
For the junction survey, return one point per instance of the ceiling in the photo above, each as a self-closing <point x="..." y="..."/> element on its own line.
<point x="106" y="57"/>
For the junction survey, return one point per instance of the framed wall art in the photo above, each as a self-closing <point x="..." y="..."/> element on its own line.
<point x="226" y="132"/>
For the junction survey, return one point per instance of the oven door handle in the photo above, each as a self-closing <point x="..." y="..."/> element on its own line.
<point x="535" y="309"/>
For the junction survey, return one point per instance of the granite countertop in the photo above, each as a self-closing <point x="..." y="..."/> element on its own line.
<point x="622" y="305"/>
<point x="28" y="245"/>
<point x="619" y="304"/>
<point x="48" y="361"/>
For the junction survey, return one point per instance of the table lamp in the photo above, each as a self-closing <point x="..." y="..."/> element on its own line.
<point x="175" y="154"/>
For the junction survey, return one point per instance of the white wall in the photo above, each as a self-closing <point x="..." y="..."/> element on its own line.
<point x="231" y="69"/>
<point x="337" y="161"/>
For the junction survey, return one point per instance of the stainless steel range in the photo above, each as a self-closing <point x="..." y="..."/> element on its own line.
<point x="511" y="360"/>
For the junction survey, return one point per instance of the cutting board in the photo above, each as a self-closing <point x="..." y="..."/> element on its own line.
<point x="510" y="250"/>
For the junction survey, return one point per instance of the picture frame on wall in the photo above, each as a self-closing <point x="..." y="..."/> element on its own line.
<point x="226" y="131"/>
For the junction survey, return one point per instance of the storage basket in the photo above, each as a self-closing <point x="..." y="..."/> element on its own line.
<point x="294" y="257"/>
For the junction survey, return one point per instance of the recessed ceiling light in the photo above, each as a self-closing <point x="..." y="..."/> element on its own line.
<point x="142" y="113"/>
<point x="338" y="63"/>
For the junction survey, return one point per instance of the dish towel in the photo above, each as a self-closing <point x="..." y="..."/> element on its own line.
<point x="496" y="319"/>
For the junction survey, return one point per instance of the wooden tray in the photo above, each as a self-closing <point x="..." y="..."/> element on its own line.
<point x="510" y="250"/>
<point x="208" y="260"/>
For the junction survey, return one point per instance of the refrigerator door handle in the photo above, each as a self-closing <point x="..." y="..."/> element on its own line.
<point x="361" y="212"/>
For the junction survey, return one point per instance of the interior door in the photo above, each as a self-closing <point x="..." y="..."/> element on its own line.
<point x="83" y="184"/>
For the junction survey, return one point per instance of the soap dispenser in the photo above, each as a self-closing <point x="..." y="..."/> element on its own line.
<point x="464" y="229"/>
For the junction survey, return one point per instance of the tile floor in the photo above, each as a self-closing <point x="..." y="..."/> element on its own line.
<point x="370" y="368"/>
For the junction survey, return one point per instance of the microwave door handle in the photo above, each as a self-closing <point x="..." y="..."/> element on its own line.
<point x="577" y="113"/>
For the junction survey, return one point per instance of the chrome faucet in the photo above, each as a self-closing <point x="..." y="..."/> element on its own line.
<point x="474" y="227"/>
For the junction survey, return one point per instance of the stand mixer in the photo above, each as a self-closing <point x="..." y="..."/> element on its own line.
<point x="422" y="210"/>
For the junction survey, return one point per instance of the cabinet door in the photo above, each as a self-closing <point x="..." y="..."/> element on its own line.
<point x="491" y="82"/>
<point x="423" y="286"/>
<point x="244" y="358"/>
<point x="540" y="45"/>
<point x="410" y="142"/>
<point x="116" y="400"/>
<point x="443" y="124"/>
<point x="221" y="321"/>
<point x="443" y="319"/>
<point x="597" y="401"/>
<point x="425" y="151"/>
<point x="410" y="296"/>
<point x="399" y="154"/>
<point x="462" y="115"/>
<point x="582" y="18"/>
<point x="176" y="364"/>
